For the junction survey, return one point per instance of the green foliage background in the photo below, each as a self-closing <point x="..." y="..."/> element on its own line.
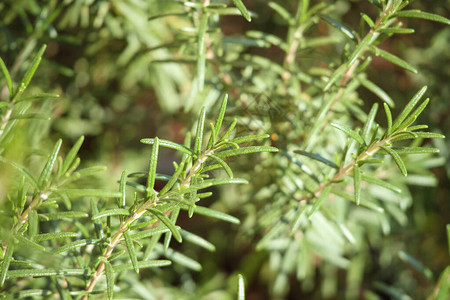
<point x="123" y="74"/>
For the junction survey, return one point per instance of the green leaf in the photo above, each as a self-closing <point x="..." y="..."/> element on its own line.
<point x="146" y="233"/>
<point x="44" y="178"/>
<point x="395" y="30"/>
<point x="421" y="135"/>
<point x="362" y="47"/>
<point x="173" y="179"/>
<point x="249" y="138"/>
<point x="122" y="189"/>
<point x="143" y="265"/>
<point x="220" y="117"/>
<point x="29" y="243"/>
<point x="201" y="51"/>
<point x="408" y="108"/>
<point x="344" y="29"/>
<point x="426" y="272"/>
<point x="23" y="171"/>
<point x="368" y="20"/>
<point x="76" y="244"/>
<point x="197" y="240"/>
<point x="111" y="212"/>
<point x="173" y="220"/>
<point x="334" y="77"/>
<point x="7" y="78"/>
<point x="350" y="132"/>
<point x="369" y="124"/>
<point x="30" y="72"/>
<point x="223" y="164"/>
<point x="241" y="287"/>
<point x="397" y="159"/>
<point x="65" y="215"/>
<point x="181" y="259"/>
<point x="75" y="193"/>
<point x="201" y="210"/>
<point x="282" y="12"/>
<point x="131" y="251"/>
<point x="380" y="182"/>
<point x="38" y="97"/>
<point x="72" y="154"/>
<point x="388" y="119"/>
<point x="54" y="235"/>
<point x="199" y="133"/>
<point x="415" y="13"/>
<point x="414" y="150"/>
<point x="46" y="272"/>
<point x="168" y="144"/>
<point x="318" y="158"/>
<point x="242" y="9"/>
<point x="246" y="150"/>
<point x="393" y="59"/>
<point x="443" y="285"/>
<point x="377" y="91"/>
<point x="357" y="183"/>
<point x="109" y="272"/>
<point x="161" y="216"/>
<point x="152" y="168"/>
<point x="323" y="195"/>
<point x="5" y="263"/>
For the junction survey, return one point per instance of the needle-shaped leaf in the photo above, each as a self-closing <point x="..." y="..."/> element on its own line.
<point x="199" y="133"/>
<point x="323" y="195"/>
<point x="357" y="184"/>
<point x="53" y="235"/>
<point x="181" y="259"/>
<point x="201" y="51"/>
<point x="377" y="91"/>
<point x="164" y="219"/>
<point x="6" y="262"/>
<point x="318" y="158"/>
<point x="395" y="30"/>
<point x="241" y="287"/>
<point x="344" y="29"/>
<point x="7" y="78"/>
<point x="249" y="138"/>
<point x="388" y="118"/>
<point x="426" y="272"/>
<point x="122" y="189"/>
<point x="220" y="117"/>
<point x="350" y="132"/>
<point x="64" y="215"/>
<point x="111" y="212"/>
<point x="197" y="240"/>
<point x="362" y="47"/>
<point x="168" y="144"/>
<point x="173" y="179"/>
<point x="23" y="171"/>
<point x="152" y="168"/>
<point x="380" y="182"/>
<point x="46" y="272"/>
<point x="75" y="193"/>
<point x="414" y="150"/>
<point x="44" y="178"/>
<point x="393" y="59"/>
<point x="72" y="154"/>
<point x="27" y="243"/>
<point x="282" y="12"/>
<point x="422" y="135"/>
<point x="30" y="72"/>
<point x="369" y="124"/>
<point x="77" y="244"/>
<point x="146" y="233"/>
<point x="201" y="210"/>
<point x="38" y="97"/>
<point x="223" y="164"/>
<point x="415" y="13"/>
<point x="408" y="108"/>
<point x="109" y="272"/>
<point x="242" y="9"/>
<point x="414" y="115"/>
<point x="334" y="77"/>
<point x="131" y="251"/>
<point x="398" y="160"/>
<point x="143" y="265"/>
<point x="173" y="220"/>
<point x="246" y="150"/>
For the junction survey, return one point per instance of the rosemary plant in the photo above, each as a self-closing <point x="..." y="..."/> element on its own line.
<point x="319" y="212"/>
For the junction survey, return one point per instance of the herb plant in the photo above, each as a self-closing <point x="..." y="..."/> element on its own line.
<point x="329" y="153"/>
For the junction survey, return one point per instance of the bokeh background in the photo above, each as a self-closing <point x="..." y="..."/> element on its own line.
<point x="120" y="78"/>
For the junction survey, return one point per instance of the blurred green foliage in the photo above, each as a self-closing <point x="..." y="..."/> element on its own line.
<point x="127" y="69"/>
